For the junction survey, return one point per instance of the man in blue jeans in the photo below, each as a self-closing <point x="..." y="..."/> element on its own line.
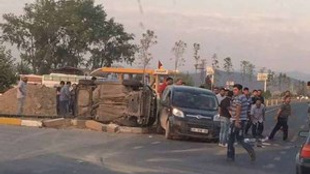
<point x="239" y="111"/>
<point x="224" y="111"/>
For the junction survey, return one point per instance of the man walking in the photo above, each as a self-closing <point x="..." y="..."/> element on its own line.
<point x="257" y="118"/>
<point x="247" y="94"/>
<point x="239" y="109"/>
<point x="224" y="111"/>
<point x="65" y="99"/>
<point x="21" y="94"/>
<point x="282" y="117"/>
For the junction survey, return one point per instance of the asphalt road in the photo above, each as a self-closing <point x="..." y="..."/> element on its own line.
<point x="49" y="151"/>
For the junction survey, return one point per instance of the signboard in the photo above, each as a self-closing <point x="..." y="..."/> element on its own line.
<point x="262" y="76"/>
<point x="230" y="83"/>
<point x="161" y="71"/>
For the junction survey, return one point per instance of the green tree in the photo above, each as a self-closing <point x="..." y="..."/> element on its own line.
<point x="7" y="69"/>
<point x="51" y="34"/>
<point x="215" y="62"/>
<point x="196" y="55"/>
<point x="228" y="66"/>
<point x="250" y="71"/>
<point x="178" y="51"/>
<point x="243" y="68"/>
<point x="146" y="42"/>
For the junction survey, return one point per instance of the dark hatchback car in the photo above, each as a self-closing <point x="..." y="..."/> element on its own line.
<point x="189" y="112"/>
<point x="303" y="156"/>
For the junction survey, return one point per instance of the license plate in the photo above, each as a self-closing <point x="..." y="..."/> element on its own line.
<point x="198" y="130"/>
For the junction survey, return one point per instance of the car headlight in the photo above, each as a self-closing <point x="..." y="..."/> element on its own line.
<point x="177" y="113"/>
<point x="217" y="117"/>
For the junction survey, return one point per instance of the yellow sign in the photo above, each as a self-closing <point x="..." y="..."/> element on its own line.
<point x="161" y="71"/>
<point x="262" y="76"/>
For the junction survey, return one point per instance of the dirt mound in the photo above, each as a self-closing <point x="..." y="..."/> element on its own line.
<point x="40" y="100"/>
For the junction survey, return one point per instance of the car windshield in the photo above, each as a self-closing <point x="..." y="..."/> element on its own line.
<point x="192" y="99"/>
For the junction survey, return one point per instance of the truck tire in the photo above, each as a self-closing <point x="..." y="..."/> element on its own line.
<point x="86" y="82"/>
<point x="132" y="83"/>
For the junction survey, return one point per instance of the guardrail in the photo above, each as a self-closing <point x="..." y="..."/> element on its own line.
<point x="275" y="102"/>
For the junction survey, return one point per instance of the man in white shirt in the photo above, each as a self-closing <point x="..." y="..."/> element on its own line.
<point x="21" y="94"/>
<point x="220" y="96"/>
<point x="257" y="118"/>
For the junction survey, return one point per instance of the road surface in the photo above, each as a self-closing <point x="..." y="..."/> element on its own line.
<point x="49" y="151"/>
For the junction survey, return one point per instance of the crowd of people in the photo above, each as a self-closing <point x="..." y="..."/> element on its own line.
<point x="65" y="99"/>
<point x="240" y="111"/>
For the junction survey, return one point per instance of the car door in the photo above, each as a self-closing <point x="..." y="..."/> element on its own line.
<point x="165" y="107"/>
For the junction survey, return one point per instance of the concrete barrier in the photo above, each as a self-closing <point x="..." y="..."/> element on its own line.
<point x="32" y="123"/>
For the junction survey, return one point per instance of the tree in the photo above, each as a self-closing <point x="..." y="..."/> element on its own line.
<point x="51" y="34"/>
<point x="243" y="68"/>
<point x="262" y="70"/>
<point x="215" y="62"/>
<point x="228" y="66"/>
<point x="146" y="42"/>
<point x="250" y="71"/>
<point x="7" y="69"/>
<point x="196" y="55"/>
<point x="178" y="51"/>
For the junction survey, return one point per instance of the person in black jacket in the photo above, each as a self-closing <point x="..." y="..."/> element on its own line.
<point x="224" y="111"/>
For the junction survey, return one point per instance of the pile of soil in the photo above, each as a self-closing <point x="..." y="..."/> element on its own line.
<point x="40" y="101"/>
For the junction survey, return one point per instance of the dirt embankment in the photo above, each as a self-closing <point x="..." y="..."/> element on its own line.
<point x="40" y="101"/>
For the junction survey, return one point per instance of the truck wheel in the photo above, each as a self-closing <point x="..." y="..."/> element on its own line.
<point x="132" y="83"/>
<point x="168" y="131"/>
<point x="86" y="82"/>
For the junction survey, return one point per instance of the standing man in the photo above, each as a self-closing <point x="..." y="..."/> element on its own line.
<point x="168" y="81"/>
<point x="254" y="96"/>
<point x="21" y="94"/>
<point x="220" y="96"/>
<point x="239" y="109"/>
<point x="247" y="94"/>
<point x="260" y="96"/>
<point x="64" y="98"/>
<point x="58" y="89"/>
<point x="257" y="118"/>
<point x="224" y="111"/>
<point x="282" y="118"/>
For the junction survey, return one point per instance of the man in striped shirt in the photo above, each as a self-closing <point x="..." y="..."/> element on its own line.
<point x="239" y="116"/>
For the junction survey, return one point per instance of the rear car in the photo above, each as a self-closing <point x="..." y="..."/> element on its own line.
<point x="189" y="112"/>
<point x="303" y="156"/>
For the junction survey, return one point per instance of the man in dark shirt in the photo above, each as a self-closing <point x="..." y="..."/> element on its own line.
<point x="282" y="117"/>
<point x="224" y="111"/>
<point x="260" y="96"/>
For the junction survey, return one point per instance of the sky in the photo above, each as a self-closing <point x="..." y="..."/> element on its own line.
<point x="269" y="33"/>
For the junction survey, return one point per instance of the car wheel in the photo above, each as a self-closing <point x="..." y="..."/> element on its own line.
<point x="168" y="131"/>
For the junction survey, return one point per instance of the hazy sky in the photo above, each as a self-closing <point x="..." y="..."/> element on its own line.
<point x="270" y="33"/>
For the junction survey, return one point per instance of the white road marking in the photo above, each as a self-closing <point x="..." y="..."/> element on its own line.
<point x="277" y="158"/>
<point x="283" y="152"/>
<point x="302" y="127"/>
<point x="137" y="147"/>
<point x="269" y="166"/>
<point x="155" y="142"/>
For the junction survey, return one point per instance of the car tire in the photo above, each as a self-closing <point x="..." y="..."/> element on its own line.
<point x="168" y="131"/>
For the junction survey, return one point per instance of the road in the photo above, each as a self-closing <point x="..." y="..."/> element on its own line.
<point x="49" y="151"/>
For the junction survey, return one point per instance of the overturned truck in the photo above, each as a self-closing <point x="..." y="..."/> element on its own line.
<point x="127" y="103"/>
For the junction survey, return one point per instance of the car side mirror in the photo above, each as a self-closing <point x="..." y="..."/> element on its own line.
<point x="304" y="133"/>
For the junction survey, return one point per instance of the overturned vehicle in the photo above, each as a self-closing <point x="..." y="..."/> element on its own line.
<point x="127" y="103"/>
